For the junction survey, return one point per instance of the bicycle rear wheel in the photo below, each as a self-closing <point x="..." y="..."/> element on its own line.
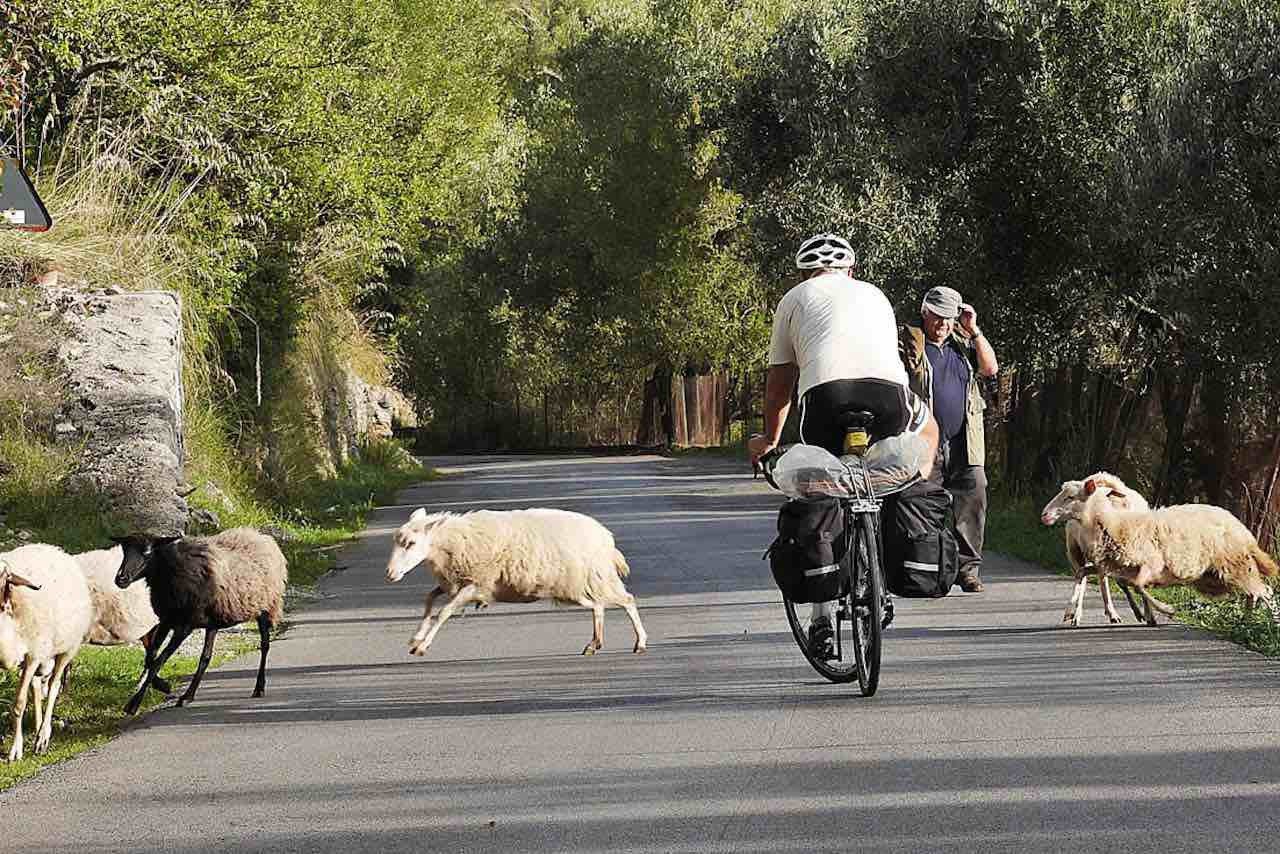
<point x="867" y="604"/>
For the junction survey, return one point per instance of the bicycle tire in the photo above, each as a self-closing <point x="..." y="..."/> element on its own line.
<point x="868" y="605"/>
<point x="840" y="670"/>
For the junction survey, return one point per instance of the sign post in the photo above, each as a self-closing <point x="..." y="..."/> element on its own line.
<point x="20" y="207"/>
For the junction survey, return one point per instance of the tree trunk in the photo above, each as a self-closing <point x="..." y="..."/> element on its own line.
<point x="1078" y="374"/>
<point x="1176" y="391"/>
<point x="1219" y="406"/>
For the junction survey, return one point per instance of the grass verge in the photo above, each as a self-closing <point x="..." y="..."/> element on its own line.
<point x="1013" y="527"/>
<point x="308" y="529"/>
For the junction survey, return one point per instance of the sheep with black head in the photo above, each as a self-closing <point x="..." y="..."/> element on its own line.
<point x="208" y="583"/>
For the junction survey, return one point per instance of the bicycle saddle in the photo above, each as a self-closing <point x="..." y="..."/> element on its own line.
<point x="856" y="420"/>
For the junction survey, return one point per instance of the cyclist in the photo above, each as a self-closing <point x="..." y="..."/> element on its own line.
<point x="837" y="337"/>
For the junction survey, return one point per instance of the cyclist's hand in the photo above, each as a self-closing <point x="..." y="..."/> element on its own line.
<point x="758" y="446"/>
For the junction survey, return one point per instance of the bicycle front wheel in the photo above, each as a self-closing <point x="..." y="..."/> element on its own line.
<point x="839" y="664"/>
<point x="867" y="605"/>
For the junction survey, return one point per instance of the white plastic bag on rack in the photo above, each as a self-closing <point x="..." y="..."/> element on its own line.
<point x="895" y="462"/>
<point x="808" y="472"/>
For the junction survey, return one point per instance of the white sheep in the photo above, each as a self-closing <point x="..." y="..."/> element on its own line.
<point x="514" y="556"/>
<point x="1195" y="544"/>
<point x="119" y="616"/>
<point x="1068" y="505"/>
<point x="45" y="613"/>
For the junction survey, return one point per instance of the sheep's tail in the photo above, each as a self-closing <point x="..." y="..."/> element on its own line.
<point x="620" y="564"/>
<point x="1266" y="564"/>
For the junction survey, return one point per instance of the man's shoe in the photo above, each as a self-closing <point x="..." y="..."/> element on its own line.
<point x="822" y="640"/>
<point x="969" y="583"/>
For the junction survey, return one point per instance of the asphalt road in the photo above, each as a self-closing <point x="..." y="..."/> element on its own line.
<point x="994" y="730"/>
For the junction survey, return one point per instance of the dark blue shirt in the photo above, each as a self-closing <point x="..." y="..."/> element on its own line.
<point x="950" y="387"/>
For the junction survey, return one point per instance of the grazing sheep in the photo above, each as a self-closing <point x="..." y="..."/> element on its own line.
<point x="45" y="613"/>
<point x="1195" y="544"/>
<point x="1068" y="504"/>
<point x="206" y="582"/>
<point x="514" y="556"/>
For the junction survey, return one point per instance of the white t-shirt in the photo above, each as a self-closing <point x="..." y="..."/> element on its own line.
<point x="835" y="327"/>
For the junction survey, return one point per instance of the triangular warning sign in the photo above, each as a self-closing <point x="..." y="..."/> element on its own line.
<point x="20" y="207"/>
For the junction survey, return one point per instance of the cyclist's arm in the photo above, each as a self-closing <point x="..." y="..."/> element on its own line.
<point x="777" y="402"/>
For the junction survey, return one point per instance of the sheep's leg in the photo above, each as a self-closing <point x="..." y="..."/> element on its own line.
<point x="422" y="640"/>
<point x="1128" y="594"/>
<point x="158" y="634"/>
<point x="19" y="709"/>
<point x="39" y="687"/>
<point x="426" y="614"/>
<point x="55" y="686"/>
<point x="642" y="637"/>
<point x="179" y="635"/>
<point x="1071" y="616"/>
<point x="264" y="635"/>
<point x="1108" y="606"/>
<point x="597" y="629"/>
<point x="210" y="635"/>
<point x="151" y="641"/>
<point x="1156" y="604"/>
<point x="1147" y="609"/>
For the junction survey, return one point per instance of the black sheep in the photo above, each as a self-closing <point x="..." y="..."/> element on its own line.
<point x="205" y="582"/>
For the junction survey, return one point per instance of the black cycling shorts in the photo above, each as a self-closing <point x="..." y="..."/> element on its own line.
<point x="896" y="410"/>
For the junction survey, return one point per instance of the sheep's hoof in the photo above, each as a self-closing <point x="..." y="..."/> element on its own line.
<point x="640" y="650"/>
<point x="418" y="649"/>
<point x="589" y="650"/>
<point x="258" y="693"/>
<point x="1115" y="621"/>
<point x="162" y="685"/>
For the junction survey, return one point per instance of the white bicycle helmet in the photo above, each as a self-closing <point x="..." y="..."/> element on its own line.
<point x="825" y="250"/>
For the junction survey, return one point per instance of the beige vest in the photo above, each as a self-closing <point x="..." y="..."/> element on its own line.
<point x="920" y="377"/>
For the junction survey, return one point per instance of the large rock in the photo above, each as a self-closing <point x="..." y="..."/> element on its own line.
<point x="123" y="358"/>
<point x="388" y="410"/>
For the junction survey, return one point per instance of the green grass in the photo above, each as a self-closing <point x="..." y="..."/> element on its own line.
<point x="1013" y="527"/>
<point x="330" y="513"/>
<point x="90" y="712"/>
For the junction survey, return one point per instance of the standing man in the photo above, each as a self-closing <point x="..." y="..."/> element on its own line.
<point x="944" y="356"/>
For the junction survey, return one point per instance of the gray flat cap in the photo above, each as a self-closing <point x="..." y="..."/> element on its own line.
<point x="943" y="301"/>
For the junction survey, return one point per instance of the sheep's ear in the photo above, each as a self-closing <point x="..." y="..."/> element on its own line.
<point x="19" y="581"/>
<point x="10" y="580"/>
<point x="419" y="515"/>
<point x="1090" y="486"/>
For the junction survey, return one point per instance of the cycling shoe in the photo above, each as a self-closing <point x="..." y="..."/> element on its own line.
<point x="822" y="640"/>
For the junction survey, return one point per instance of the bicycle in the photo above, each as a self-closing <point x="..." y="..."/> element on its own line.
<point x="863" y="606"/>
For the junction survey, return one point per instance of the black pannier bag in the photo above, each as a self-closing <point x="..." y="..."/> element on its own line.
<point x="805" y="558"/>
<point x="921" y="560"/>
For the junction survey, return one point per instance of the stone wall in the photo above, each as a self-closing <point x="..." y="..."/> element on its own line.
<point x="122" y="355"/>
